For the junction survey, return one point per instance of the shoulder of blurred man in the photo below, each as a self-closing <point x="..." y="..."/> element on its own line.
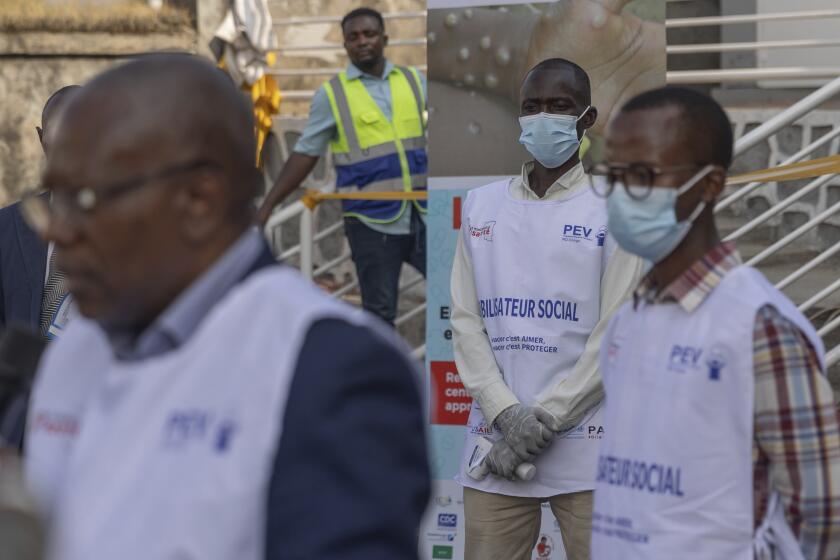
<point x="23" y="257"/>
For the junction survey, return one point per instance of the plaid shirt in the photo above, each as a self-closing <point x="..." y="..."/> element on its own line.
<point x="796" y="445"/>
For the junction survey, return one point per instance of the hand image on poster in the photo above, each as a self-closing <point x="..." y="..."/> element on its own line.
<point x="479" y="55"/>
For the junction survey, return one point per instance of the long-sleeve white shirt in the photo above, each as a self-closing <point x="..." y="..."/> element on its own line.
<point x="569" y="398"/>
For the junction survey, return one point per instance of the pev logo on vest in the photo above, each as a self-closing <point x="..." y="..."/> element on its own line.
<point x="484" y="232"/>
<point x="574" y="233"/>
<point x="184" y="427"/>
<point x="716" y="361"/>
<point x="683" y="358"/>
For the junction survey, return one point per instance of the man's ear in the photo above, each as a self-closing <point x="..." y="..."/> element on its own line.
<point x="40" y="132"/>
<point x="713" y="184"/>
<point x="587" y="121"/>
<point x="384" y="39"/>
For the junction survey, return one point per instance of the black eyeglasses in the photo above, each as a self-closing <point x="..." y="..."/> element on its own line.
<point x="38" y="210"/>
<point x="637" y="178"/>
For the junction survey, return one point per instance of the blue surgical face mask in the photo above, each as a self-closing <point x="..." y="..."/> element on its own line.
<point x="551" y="139"/>
<point x="649" y="227"/>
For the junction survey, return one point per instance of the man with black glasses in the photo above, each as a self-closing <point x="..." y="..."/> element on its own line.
<point x="721" y="428"/>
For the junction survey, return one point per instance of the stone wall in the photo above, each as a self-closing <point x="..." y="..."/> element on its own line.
<point x="33" y="65"/>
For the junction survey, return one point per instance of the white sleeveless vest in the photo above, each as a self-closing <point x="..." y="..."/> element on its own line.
<point x="170" y="457"/>
<point x="674" y="476"/>
<point x="538" y="268"/>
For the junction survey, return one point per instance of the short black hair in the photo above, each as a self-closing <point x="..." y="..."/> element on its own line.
<point x="580" y="74"/>
<point x="360" y="12"/>
<point x="55" y="100"/>
<point x="705" y="124"/>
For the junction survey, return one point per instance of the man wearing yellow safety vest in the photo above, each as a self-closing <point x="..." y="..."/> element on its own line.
<point x="371" y="117"/>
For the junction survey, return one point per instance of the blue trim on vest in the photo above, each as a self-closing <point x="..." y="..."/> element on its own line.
<point x="379" y="169"/>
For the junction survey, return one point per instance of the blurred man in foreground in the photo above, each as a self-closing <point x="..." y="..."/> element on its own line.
<point x="191" y="411"/>
<point x="721" y="430"/>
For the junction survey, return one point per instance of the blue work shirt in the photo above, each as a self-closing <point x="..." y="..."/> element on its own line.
<point x="321" y="127"/>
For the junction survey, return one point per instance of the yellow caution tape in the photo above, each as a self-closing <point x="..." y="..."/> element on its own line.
<point x="801" y="170"/>
<point x="312" y="198"/>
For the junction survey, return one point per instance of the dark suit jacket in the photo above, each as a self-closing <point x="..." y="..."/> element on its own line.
<point x="352" y="447"/>
<point x="23" y="263"/>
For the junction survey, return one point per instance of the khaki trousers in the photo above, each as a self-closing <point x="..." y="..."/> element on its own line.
<point x="507" y="527"/>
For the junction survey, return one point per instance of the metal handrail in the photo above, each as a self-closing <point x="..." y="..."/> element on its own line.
<point x="343" y="258"/>
<point x="832" y="357"/>
<point x="809" y="266"/>
<point x="807" y="150"/>
<point x="819" y="296"/>
<point x="788" y="116"/>
<point x="776" y="208"/>
<point x="830" y="326"/>
<point x="346" y="289"/>
<point x="298" y="94"/>
<point x="407" y="316"/>
<point x="750" y="46"/>
<point x="748" y="75"/>
<point x="411" y="283"/>
<point x="795" y="234"/>
<point x="749" y="18"/>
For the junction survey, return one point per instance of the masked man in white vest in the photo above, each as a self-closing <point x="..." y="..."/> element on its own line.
<point x="371" y="117"/>
<point x="534" y="279"/>
<point x="190" y="409"/>
<point x="721" y="429"/>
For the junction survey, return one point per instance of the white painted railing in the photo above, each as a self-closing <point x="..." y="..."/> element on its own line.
<point x="734" y="75"/>
<point x="750" y="18"/>
<point x="763" y="133"/>
<point x="305" y="250"/>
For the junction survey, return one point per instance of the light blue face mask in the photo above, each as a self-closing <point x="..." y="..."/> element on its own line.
<point x="551" y="139"/>
<point x="649" y="227"/>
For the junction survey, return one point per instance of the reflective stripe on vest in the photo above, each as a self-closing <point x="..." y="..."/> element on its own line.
<point x="375" y="154"/>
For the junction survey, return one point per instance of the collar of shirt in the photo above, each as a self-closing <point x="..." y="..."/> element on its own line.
<point x="175" y="325"/>
<point x="570" y="182"/>
<point x="691" y="287"/>
<point x="353" y="72"/>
